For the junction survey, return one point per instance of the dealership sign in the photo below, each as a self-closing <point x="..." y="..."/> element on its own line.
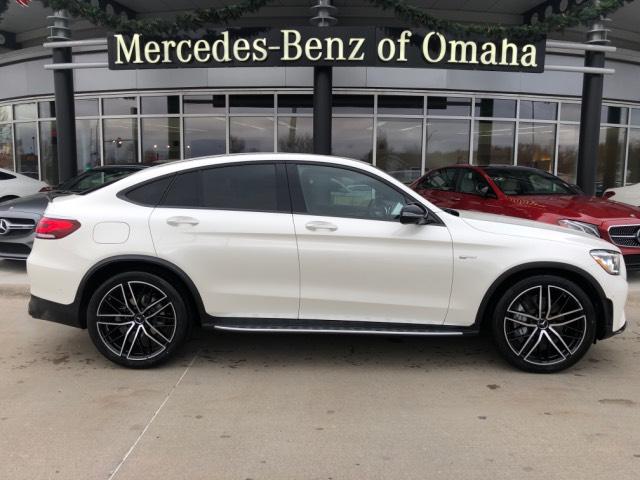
<point x="336" y="46"/>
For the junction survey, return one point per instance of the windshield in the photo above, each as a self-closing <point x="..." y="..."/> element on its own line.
<point x="528" y="182"/>
<point x="93" y="179"/>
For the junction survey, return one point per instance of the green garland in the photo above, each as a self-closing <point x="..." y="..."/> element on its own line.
<point x="575" y="15"/>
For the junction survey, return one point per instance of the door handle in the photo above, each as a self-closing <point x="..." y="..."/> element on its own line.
<point x="177" y="221"/>
<point x="313" y="226"/>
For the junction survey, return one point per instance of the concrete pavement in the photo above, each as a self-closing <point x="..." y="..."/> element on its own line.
<point x="239" y="406"/>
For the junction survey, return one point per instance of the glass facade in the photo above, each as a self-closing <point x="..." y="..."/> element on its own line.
<point x="403" y="133"/>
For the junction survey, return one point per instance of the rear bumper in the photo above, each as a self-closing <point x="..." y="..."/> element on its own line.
<point x="55" y="312"/>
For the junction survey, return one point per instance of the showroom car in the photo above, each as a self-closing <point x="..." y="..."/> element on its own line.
<point x="313" y="244"/>
<point x="19" y="217"/>
<point x="15" y="185"/>
<point x="629" y="194"/>
<point x="534" y="195"/>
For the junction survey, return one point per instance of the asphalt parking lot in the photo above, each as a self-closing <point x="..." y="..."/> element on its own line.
<point x="255" y="407"/>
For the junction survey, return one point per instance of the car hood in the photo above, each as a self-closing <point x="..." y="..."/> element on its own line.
<point x="578" y="207"/>
<point x="32" y="204"/>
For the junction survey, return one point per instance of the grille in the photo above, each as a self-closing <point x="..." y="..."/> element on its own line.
<point x="625" y="235"/>
<point x="17" y="226"/>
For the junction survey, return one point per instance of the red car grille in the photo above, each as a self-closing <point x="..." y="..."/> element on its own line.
<point x="625" y="235"/>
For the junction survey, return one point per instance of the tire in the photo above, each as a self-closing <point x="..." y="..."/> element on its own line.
<point x="142" y="328"/>
<point x="537" y="337"/>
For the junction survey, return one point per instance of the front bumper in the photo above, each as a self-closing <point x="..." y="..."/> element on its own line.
<point x="16" y="244"/>
<point x="55" y="312"/>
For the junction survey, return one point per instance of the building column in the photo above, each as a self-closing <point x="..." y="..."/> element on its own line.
<point x="64" y="99"/>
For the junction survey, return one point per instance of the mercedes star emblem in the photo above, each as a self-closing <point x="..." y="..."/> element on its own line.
<point x="4" y="226"/>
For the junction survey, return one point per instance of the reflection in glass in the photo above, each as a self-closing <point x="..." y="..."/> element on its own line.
<point x="295" y="134"/>
<point x="6" y="147"/>
<point x="399" y="147"/>
<point x="203" y="104"/>
<point x="25" y="111"/>
<point x="538" y="110"/>
<point x="120" y="140"/>
<point x="360" y="104"/>
<point x="160" y="105"/>
<point x="449" y="106"/>
<point x="568" y="136"/>
<point x="494" y="107"/>
<point x="635" y="116"/>
<point x="400" y="104"/>
<point x="160" y="139"/>
<point x="47" y="109"/>
<point x="633" y="166"/>
<point x="119" y="106"/>
<point x="250" y="134"/>
<point x="536" y="144"/>
<point x="493" y="142"/>
<point x="5" y="113"/>
<point x="204" y="136"/>
<point x="447" y="142"/>
<point x="49" y="152"/>
<point x="611" y="152"/>
<point x="352" y="138"/>
<point x="88" y="144"/>
<point x="570" y="112"/>
<point x="295" y="103"/>
<point x="86" y="107"/>
<point x="615" y="115"/>
<point x="27" y="148"/>
<point x="251" y="103"/>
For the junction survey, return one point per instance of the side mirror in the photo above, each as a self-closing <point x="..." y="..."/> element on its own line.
<point x="413" y="213"/>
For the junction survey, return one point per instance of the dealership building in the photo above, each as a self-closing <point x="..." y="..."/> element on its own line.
<point x="403" y="120"/>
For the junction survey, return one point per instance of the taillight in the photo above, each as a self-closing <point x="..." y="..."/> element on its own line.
<point x="55" y="228"/>
<point x="608" y="194"/>
<point x="45" y="189"/>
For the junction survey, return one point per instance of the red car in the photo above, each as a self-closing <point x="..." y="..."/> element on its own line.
<point x="535" y="195"/>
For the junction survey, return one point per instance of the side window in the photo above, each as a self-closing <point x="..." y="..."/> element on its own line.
<point x="339" y="192"/>
<point x="473" y="183"/>
<point x="444" y="179"/>
<point x="149" y="194"/>
<point x="184" y="192"/>
<point x="241" y="187"/>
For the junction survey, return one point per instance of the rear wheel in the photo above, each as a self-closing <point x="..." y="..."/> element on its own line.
<point x="544" y="324"/>
<point x="137" y="319"/>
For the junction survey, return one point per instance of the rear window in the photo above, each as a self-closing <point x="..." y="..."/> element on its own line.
<point x="149" y="194"/>
<point x="6" y="176"/>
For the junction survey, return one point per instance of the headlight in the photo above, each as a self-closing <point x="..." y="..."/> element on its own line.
<point x="580" y="226"/>
<point x="608" y="260"/>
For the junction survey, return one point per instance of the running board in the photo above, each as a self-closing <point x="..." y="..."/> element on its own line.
<point x="332" y="326"/>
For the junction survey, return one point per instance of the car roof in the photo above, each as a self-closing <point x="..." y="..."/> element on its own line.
<point x="134" y="166"/>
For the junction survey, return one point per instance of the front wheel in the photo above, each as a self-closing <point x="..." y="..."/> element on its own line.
<point x="137" y="319"/>
<point x="544" y="324"/>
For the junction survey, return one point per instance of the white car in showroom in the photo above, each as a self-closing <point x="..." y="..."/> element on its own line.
<point x="313" y="244"/>
<point x="629" y="194"/>
<point x="14" y="185"/>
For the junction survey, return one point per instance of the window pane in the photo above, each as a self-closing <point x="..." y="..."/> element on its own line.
<point x="568" y="152"/>
<point x="399" y="149"/>
<point x="447" y="142"/>
<point x="150" y="193"/>
<point x="6" y="147"/>
<point x="570" y="112"/>
<point x="616" y="115"/>
<point x="184" y="191"/>
<point x="27" y="149"/>
<point x="353" y="104"/>
<point x="204" y="104"/>
<point x="160" y="105"/>
<point x="449" y="106"/>
<point x="633" y="167"/>
<point x="5" y="113"/>
<point x="120" y="106"/>
<point x="443" y="179"/>
<point x="204" y="136"/>
<point x="472" y="183"/>
<point x="295" y="134"/>
<point x="536" y="145"/>
<point x="24" y="111"/>
<point x="353" y="138"/>
<point x="240" y="187"/>
<point x="635" y="116"/>
<point x="491" y="107"/>
<point x="88" y="143"/>
<point x="250" y="134"/>
<point x="47" y="109"/>
<point x="295" y="104"/>
<point x="49" y="152"/>
<point x="160" y="139"/>
<point x="538" y="110"/>
<point x="611" y="154"/>
<point x="401" y="104"/>
<point x="251" y="103"/>
<point x="120" y="141"/>
<point x="337" y="192"/>
<point x="493" y="142"/>
<point x="86" y="107"/>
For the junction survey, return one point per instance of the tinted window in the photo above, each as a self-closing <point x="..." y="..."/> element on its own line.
<point x="241" y="187"/>
<point x="150" y="193"/>
<point x="444" y="179"/>
<point x="93" y="179"/>
<point x="6" y="176"/>
<point x="473" y="183"/>
<point x="528" y="182"/>
<point x="338" y="192"/>
<point x="184" y="191"/>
